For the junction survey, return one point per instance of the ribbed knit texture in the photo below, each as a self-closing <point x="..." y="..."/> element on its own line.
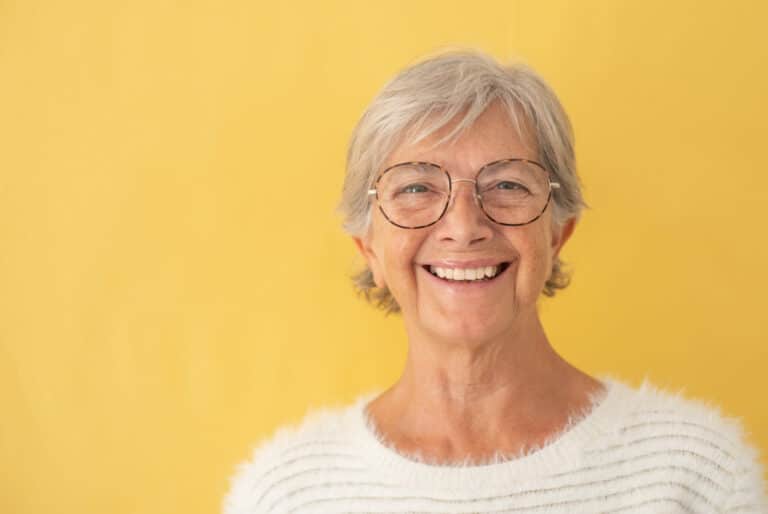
<point x="635" y="450"/>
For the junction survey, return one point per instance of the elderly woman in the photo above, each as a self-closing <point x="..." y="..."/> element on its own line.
<point x="461" y="190"/>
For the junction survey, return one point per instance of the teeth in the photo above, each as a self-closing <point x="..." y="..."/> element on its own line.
<point x="465" y="273"/>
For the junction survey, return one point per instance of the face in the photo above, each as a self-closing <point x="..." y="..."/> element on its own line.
<point x="405" y="260"/>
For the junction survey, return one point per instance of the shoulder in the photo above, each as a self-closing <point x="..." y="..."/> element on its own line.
<point x="315" y="442"/>
<point x="674" y="411"/>
<point x="711" y="453"/>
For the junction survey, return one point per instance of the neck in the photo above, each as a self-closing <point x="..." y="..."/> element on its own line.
<point x="499" y="391"/>
<point x="458" y="368"/>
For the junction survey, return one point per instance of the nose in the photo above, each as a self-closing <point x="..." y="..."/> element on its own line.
<point x="471" y="190"/>
<point x="464" y="221"/>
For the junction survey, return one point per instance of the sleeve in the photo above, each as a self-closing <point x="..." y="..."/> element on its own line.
<point x="237" y="500"/>
<point x="748" y="493"/>
<point x="249" y="483"/>
<point x="246" y="486"/>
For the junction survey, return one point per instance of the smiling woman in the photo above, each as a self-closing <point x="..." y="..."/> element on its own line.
<point x="462" y="233"/>
<point x="461" y="190"/>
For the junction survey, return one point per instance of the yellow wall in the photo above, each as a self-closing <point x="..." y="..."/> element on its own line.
<point x="172" y="275"/>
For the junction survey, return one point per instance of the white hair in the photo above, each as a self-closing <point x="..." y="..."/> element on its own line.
<point x="427" y="96"/>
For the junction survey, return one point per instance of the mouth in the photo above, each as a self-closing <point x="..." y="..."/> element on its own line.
<point x="478" y="274"/>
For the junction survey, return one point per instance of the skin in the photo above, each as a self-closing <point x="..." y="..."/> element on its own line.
<point x="480" y="377"/>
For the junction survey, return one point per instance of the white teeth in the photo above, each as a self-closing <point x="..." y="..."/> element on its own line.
<point x="465" y="273"/>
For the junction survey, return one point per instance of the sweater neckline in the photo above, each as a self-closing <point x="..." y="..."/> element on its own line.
<point x="562" y="451"/>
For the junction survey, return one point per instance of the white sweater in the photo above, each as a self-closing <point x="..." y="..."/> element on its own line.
<point x="634" y="450"/>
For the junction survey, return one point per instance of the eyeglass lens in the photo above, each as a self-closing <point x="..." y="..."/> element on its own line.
<point x="512" y="192"/>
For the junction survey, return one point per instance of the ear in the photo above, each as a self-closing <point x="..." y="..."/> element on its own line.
<point x="561" y="234"/>
<point x="367" y="252"/>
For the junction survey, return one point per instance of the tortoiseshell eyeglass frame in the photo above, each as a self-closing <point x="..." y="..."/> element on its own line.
<point x="478" y="196"/>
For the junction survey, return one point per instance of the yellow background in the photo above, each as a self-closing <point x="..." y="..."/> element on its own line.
<point x="173" y="279"/>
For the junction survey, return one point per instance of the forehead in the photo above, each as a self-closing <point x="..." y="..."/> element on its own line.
<point x="492" y="136"/>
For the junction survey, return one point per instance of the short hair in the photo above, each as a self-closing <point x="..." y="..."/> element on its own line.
<point x="423" y="98"/>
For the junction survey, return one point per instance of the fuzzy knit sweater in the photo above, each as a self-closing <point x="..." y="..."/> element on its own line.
<point x="634" y="450"/>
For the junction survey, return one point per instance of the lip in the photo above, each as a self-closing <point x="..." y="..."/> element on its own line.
<point x="464" y="284"/>
<point x="465" y="264"/>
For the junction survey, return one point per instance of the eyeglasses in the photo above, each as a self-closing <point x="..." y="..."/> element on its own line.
<point x="510" y="192"/>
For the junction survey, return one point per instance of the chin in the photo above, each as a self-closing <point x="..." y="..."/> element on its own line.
<point x="463" y="324"/>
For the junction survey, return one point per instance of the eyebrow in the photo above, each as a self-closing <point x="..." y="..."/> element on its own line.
<point x="447" y="168"/>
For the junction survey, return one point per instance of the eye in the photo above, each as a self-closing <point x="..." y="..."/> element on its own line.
<point x="510" y="186"/>
<point x="414" y="188"/>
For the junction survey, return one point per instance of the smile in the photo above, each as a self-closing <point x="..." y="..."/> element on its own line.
<point x="482" y="273"/>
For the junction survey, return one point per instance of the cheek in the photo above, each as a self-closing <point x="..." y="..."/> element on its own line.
<point x="535" y="257"/>
<point x="399" y="255"/>
<point x="397" y="249"/>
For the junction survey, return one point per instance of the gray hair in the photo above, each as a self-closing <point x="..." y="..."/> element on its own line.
<point x="425" y="97"/>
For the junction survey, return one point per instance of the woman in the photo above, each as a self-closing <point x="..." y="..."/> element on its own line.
<point x="461" y="191"/>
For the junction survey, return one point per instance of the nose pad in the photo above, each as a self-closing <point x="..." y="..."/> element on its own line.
<point x="475" y="196"/>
